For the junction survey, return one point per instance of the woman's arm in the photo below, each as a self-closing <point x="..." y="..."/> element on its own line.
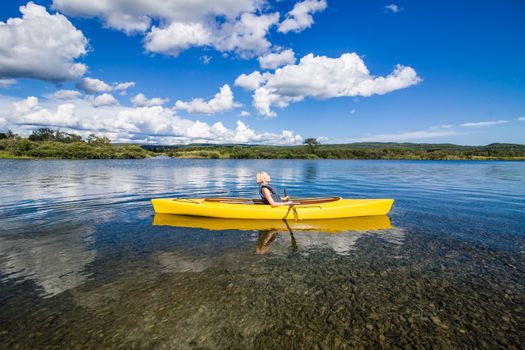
<point x="268" y="195"/>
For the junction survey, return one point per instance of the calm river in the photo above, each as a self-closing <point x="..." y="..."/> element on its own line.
<point x="83" y="266"/>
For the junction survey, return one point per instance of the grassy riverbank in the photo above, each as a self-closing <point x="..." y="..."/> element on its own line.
<point x="47" y="143"/>
<point x="348" y="151"/>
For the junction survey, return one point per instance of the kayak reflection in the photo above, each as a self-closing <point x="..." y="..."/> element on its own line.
<point x="365" y="223"/>
<point x="268" y="230"/>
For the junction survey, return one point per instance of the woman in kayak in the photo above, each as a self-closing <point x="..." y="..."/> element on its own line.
<point x="268" y="193"/>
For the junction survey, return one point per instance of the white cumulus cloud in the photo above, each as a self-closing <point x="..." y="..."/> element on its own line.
<point x="243" y="134"/>
<point x="251" y="81"/>
<point x="29" y="112"/>
<point x="140" y="100"/>
<point x="41" y="46"/>
<point x="104" y="99"/>
<point x="24" y="106"/>
<point x="155" y="124"/>
<point x="321" y="77"/>
<point x="93" y="86"/>
<point x="136" y="15"/>
<point x="300" y="17"/>
<point x="276" y="60"/>
<point x="123" y="86"/>
<point x="177" y="37"/>
<point x="221" y="102"/>
<point x="172" y="26"/>
<point x="247" y="36"/>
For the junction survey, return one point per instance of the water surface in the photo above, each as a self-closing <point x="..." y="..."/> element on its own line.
<point x="81" y="264"/>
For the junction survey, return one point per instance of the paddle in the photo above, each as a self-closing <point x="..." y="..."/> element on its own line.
<point x="294" y="242"/>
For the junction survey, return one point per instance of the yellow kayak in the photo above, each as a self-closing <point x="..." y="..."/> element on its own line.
<point x="367" y="223"/>
<point x="244" y="208"/>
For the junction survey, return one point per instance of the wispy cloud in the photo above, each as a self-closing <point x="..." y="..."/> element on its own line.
<point x="6" y="83"/>
<point x="393" y="8"/>
<point x="206" y="59"/>
<point x="407" y="136"/>
<point x="67" y="94"/>
<point x="432" y="132"/>
<point x="97" y="86"/>
<point x="484" y="123"/>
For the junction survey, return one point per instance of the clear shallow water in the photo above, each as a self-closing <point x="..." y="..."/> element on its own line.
<point x="81" y="264"/>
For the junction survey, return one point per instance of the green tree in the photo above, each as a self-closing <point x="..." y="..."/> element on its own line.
<point x="66" y="137"/>
<point x="312" y="144"/>
<point x="9" y="135"/>
<point x="47" y="134"/>
<point x="98" y="140"/>
<point x="42" y="134"/>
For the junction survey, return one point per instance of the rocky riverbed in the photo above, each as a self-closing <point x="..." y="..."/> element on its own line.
<point x="413" y="292"/>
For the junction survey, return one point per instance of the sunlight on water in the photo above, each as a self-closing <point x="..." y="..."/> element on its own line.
<point x="85" y="262"/>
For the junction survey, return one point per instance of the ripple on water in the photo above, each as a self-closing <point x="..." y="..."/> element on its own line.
<point x="81" y="264"/>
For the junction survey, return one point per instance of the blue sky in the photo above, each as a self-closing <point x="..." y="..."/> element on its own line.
<point x="255" y="71"/>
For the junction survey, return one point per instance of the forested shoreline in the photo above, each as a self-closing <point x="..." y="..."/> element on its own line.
<point x="54" y="144"/>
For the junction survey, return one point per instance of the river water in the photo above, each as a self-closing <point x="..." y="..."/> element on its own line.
<point x="83" y="265"/>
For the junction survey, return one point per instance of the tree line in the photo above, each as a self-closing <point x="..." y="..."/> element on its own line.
<point x="48" y="143"/>
<point x="313" y="149"/>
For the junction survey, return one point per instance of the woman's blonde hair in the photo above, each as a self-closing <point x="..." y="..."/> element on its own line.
<point x="260" y="177"/>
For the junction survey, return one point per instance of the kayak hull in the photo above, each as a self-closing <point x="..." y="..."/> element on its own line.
<point x="307" y="209"/>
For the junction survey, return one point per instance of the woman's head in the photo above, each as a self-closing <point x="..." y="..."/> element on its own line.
<point x="262" y="176"/>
